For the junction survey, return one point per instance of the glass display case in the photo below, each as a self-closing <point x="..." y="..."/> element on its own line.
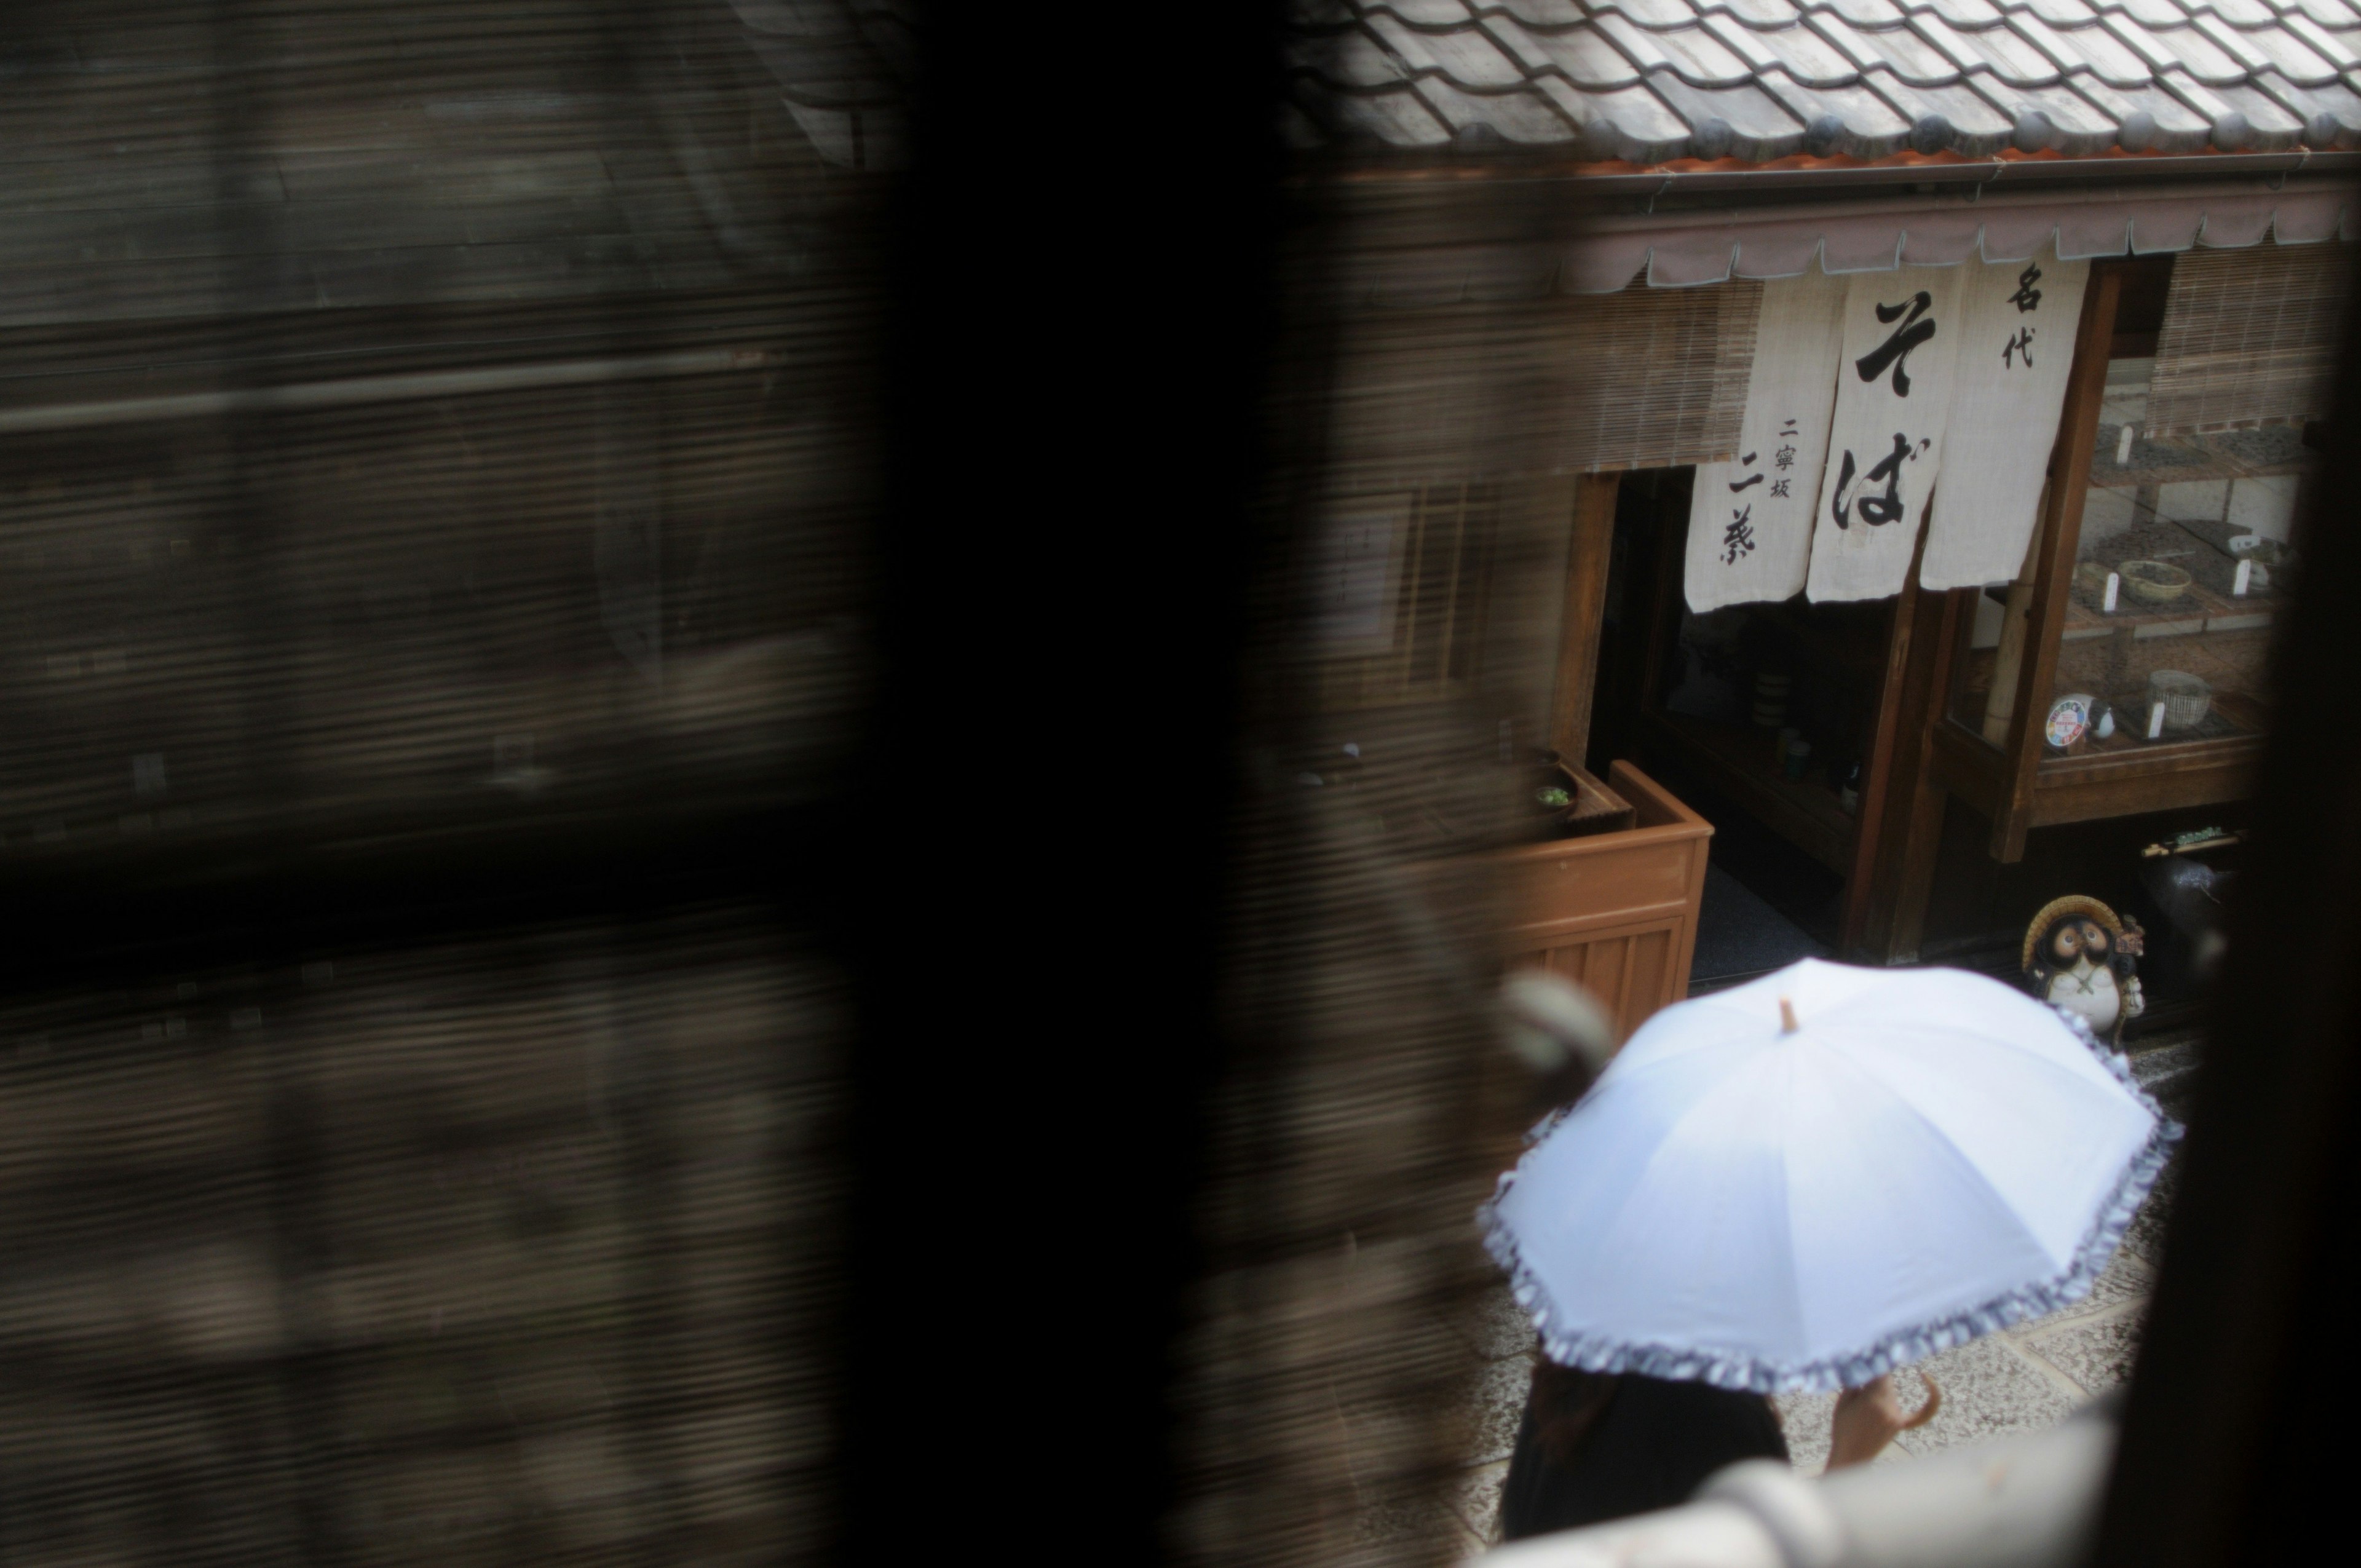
<point x="2124" y="671"/>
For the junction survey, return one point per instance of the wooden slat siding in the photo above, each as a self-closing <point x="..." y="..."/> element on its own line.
<point x="1625" y="970"/>
<point x="1586" y="609"/>
<point x="2061" y="531"/>
<point x="2249" y="338"/>
<point x="1655" y="804"/>
<point x="1616" y="913"/>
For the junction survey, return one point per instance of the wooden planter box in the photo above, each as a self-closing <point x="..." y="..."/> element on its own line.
<point x="1616" y="913"/>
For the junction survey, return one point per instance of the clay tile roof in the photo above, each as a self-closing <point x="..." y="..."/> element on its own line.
<point x="1653" y="81"/>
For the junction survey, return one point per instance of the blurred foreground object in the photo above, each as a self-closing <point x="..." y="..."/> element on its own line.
<point x="1559" y="1031"/>
<point x="1808" y="1181"/>
<point x="2030" y="1501"/>
<point x="1554" y="1023"/>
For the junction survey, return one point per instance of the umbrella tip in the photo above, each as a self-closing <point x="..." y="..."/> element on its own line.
<point x="1787" y="1025"/>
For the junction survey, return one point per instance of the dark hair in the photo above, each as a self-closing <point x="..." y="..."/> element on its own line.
<point x="1565" y="1402"/>
<point x="1597" y="1447"/>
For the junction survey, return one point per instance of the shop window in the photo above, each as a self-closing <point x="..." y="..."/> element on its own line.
<point x="1404" y="607"/>
<point x="2182" y="547"/>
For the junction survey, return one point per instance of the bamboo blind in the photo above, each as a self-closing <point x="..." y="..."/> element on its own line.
<point x="2249" y="338"/>
<point x="1641" y="379"/>
<point x="230" y="608"/>
<point x="1659" y="375"/>
<point x="509" y="1249"/>
<point x="500" y="1251"/>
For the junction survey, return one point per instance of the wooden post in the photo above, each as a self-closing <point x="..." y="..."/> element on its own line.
<point x="1886" y="737"/>
<point x="1894" y="918"/>
<point x="1585" y="610"/>
<point x="2060" y="532"/>
<point x="2009" y="660"/>
<point x="1661" y="600"/>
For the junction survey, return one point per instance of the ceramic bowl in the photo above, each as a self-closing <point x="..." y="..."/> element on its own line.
<point x="2154" y="582"/>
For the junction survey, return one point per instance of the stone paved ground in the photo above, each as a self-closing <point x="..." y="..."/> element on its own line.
<point x="2021" y="1380"/>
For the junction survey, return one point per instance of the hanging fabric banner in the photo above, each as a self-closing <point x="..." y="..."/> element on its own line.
<point x="1750" y="521"/>
<point x="1894" y="396"/>
<point x="2016" y="348"/>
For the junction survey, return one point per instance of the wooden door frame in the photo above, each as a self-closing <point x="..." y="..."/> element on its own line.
<point x="1584" y="613"/>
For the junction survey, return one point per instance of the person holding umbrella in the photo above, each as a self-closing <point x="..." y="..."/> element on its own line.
<point x="1801" y="1184"/>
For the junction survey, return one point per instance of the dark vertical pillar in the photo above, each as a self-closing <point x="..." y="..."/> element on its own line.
<point x="1078" y="336"/>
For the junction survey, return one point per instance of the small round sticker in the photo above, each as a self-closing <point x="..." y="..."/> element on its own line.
<point x="2068" y="717"/>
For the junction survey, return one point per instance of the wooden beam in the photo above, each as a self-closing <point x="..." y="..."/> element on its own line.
<point x="404" y="386"/>
<point x="1585" y="613"/>
<point x="2062" y="531"/>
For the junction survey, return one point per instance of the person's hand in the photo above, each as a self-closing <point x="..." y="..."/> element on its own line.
<point x="1867" y="1419"/>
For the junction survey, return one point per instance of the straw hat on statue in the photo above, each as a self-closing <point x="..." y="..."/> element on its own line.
<point x="2078" y="955"/>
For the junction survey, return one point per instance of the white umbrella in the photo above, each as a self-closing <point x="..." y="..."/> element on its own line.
<point x="1920" y="1157"/>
